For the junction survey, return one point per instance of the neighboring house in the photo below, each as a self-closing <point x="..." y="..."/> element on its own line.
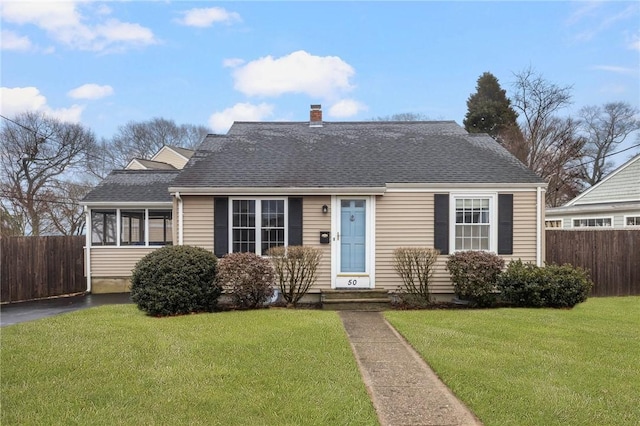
<point x="356" y="190"/>
<point x="142" y="164"/>
<point x="614" y="202"/>
<point x="168" y="157"/>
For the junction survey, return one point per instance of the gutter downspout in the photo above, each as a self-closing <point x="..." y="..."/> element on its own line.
<point x="180" y="224"/>
<point x="88" y="248"/>
<point x="539" y="224"/>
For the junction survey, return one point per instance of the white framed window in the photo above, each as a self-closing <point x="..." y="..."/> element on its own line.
<point x="257" y="224"/>
<point x="592" y="222"/>
<point x="131" y="227"/>
<point x="132" y="224"/>
<point x="553" y="223"/>
<point x="160" y="227"/>
<point x="632" y="221"/>
<point x="103" y="227"/>
<point x="474" y="222"/>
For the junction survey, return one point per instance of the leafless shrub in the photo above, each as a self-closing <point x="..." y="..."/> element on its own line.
<point x="296" y="270"/>
<point x="415" y="265"/>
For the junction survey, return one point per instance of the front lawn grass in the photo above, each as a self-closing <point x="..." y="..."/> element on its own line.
<point x="536" y="366"/>
<point x="114" y="365"/>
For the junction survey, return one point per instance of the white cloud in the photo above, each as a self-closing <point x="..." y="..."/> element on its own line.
<point x="46" y="14"/>
<point x="115" y="31"/>
<point x="299" y="72"/>
<point x="221" y="121"/>
<point x="582" y="11"/>
<point x="91" y="91"/>
<point x="70" y="115"/>
<point x="346" y="108"/>
<point x="615" y="69"/>
<point x="103" y="9"/>
<point x="63" y="22"/>
<point x="207" y="17"/>
<point x="232" y="62"/>
<point x="12" y="41"/>
<point x="22" y="99"/>
<point x="595" y="21"/>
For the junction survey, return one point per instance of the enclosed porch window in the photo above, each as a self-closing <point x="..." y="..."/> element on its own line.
<point x="128" y="227"/>
<point x="103" y="227"/>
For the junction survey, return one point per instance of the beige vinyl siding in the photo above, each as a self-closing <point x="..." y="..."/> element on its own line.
<point x="313" y="222"/>
<point x="174" y="220"/>
<point x="116" y="261"/>
<point x="407" y="220"/>
<point x="198" y="221"/>
<point x="403" y="219"/>
<point x="134" y="165"/>
<point x="524" y="226"/>
<point x="157" y="232"/>
<point x="167" y="155"/>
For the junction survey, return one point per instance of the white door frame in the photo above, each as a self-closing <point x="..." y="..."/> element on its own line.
<point x="353" y="280"/>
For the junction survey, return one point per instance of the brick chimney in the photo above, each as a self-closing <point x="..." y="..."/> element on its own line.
<point x="315" y="117"/>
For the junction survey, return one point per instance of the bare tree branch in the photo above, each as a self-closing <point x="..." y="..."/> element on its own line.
<point x="38" y="153"/>
<point x="549" y="145"/>
<point x="144" y="139"/>
<point x="604" y="129"/>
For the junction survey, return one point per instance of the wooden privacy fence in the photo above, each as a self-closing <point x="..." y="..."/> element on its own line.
<point x="39" y="267"/>
<point x="611" y="256"/>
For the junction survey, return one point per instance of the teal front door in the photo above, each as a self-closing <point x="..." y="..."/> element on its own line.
<point x="353" y="236"/>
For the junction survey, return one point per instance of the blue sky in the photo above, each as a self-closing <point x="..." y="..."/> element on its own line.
<point x="106" y="63"/>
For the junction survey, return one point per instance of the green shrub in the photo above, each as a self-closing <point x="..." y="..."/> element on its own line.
<point x="175" y="280"/>
<point x="550" y="286"/>
<point x="474" y="275"/>
<point x="415" y="265"/>
<point x="296" y="269"/>
<point x="570" y="285"/>
<point x="248" y="277"/>
<point x="524" y="284"/>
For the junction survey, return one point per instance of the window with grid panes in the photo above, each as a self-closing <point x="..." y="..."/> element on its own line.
<point x="257" y="225"/>
<point x="472" y="224"/>
<point x="592" y="222"/>
<point x="632" y="221"/>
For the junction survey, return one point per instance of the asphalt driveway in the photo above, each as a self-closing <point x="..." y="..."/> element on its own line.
<point x="28" y="311"/>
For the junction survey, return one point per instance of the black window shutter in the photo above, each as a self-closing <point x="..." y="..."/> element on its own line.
<point x="441" y="223"/>
<point x="505" y="223"/>
<point x="295" y="221"/>
<point x="220" y="226"/>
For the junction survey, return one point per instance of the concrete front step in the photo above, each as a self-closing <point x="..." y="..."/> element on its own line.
<point x="355" y="300"/>
<point x="356" y="305"/>
<point x="354" y="294"/>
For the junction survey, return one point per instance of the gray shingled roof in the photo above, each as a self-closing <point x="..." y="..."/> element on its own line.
<point x="155" y="165"/>
<point x="349" y="154"/>
<point x="187" y="153"/>
<point x="132" y="186"/>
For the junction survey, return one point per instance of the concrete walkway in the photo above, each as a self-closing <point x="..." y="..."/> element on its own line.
<point x="404" y="390"/>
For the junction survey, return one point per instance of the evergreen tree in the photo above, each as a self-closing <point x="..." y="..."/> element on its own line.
<point x="489" y="110"/>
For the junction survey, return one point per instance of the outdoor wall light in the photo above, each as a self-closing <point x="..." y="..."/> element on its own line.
<point x="325" y="209"/>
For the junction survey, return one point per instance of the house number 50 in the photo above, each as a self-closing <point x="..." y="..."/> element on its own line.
<point x="352" y="282"/>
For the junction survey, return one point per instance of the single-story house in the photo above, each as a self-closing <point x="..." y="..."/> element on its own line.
<point x="614" y="202"/>
<point x="356" y="190"/>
